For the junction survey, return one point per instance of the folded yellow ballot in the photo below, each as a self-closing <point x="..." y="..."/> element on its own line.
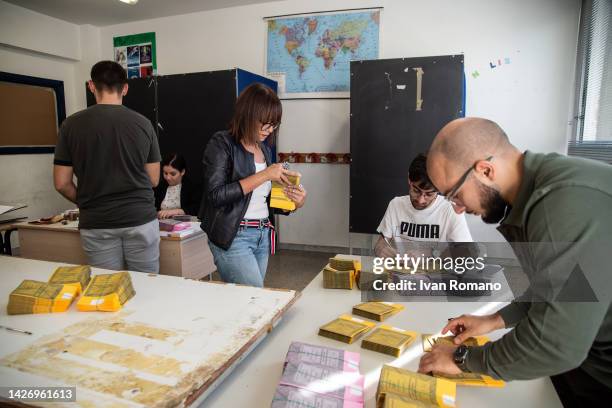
<point x="389" y="340"/>
<point x="278" y="199"/>
<point x="473" y="380"/>
<point x="429" y="340"/>
<point x="77" y="276"/>
<point x="414" y="386"/>
<point x="40" y="297"/>
<point x="377" y="310"/>
<point x="107" y="293"/>
<point x="346" y="329"/>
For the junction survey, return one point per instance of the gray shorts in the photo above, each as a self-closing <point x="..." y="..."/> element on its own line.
<point x="132" y="248"/>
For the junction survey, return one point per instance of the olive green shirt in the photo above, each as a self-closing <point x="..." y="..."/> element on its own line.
<point x="564" y="211"/>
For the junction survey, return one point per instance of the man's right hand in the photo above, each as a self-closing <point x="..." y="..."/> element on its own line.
<point x="466" y="326"/>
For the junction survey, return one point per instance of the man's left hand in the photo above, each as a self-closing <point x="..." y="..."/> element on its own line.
<point x="439" y="360"/>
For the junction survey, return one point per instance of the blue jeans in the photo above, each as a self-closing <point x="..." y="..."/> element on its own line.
<point x="246" y="260"/>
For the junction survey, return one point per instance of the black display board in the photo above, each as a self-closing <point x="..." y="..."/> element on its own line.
<point x="187" y="109"/>
<point x="192" y="107"/>
<point x="389" y="128"/>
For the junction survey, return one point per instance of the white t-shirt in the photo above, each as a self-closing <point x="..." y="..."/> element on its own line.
<point x="172" y="199"/>
<point x="438" y="222"/>
<point x="258" y="206"/>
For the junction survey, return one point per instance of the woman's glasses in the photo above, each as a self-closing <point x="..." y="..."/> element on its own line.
<point x="270" y="127"/>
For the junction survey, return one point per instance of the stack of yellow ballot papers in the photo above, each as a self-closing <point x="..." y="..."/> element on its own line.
<point x="77" y="276"/>
<point x="377" y="310"/>
<point x="334" y="279"/>
<point x="40" y="297"/>
<point x="278" y="199"/>
<point x="389" y="340"/>
<point x="346" y="329"/>
<point x="341" y="263"/>
<point x="106" y="293"/>
<point x="399" y="388"/>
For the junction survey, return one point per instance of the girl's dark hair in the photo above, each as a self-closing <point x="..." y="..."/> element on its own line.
<point x="174" y="160"/>
<point x="255" y="106"/>
<point x="108" y="76"/>
<point x="417" y="173"/>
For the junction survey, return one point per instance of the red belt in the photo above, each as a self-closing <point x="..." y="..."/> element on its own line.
<point x="265" y="223"/>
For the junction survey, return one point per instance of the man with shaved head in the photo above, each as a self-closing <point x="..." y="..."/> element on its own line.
<point x="561" y="209"/>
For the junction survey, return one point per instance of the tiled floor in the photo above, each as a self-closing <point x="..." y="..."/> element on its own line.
<point x="290" y="269"/>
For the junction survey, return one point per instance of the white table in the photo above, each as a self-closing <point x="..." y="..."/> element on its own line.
<point x="172" y="343"/>
<point x="254" y="383"/>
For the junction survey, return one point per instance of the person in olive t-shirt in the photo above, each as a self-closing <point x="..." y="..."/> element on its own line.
<point x="114" y="153"/>
<point x="560" y="209"/>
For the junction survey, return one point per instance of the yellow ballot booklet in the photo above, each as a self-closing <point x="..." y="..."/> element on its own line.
<point x="106" y="293"/>
<point x="278" y="199"/>
<point x="473" y="380"/>
<point x="403" y="387"/>
<point x="429" y="340"/>
<point x="346" y="329"/>
<point x="389" y="340"/>
<point x="377" y="310"/>
<point x="77" y="276"/>
<point x="465" y="379"/>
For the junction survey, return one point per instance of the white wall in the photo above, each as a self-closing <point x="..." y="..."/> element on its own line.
<point x="530" y="98"/>
<point x="37" y="45"/>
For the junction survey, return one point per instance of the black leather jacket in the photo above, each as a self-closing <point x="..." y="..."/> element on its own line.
<point x="226" y="162"/>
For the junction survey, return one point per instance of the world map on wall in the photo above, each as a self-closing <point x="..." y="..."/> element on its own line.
<point x="312" y="53"/>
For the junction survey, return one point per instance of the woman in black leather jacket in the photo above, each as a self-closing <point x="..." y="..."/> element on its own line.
<point x="238" y="172"/>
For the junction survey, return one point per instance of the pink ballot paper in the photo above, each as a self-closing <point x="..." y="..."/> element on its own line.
<point x="325" y="381"/>
<point x="291" y="397"/>
<point x="324" y="356"/>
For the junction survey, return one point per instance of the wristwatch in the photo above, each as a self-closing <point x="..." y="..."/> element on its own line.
<point x="460" y="357"/>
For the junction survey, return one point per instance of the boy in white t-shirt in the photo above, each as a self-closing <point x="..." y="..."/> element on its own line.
<point x="421" y="216"/>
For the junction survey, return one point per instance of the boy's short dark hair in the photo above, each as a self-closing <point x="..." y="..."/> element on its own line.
<point x="108" y="76"/>
<point x="417" y="173"/>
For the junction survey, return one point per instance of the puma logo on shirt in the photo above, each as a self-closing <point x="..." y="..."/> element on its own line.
<point x="427" y="231"/>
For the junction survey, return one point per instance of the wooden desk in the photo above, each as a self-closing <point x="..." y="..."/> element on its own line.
<point x="170" y="345"/>
<point x="187" y="256"/>
<point x="256" y="382"/>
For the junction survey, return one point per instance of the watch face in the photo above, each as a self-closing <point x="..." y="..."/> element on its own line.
<point x="460" y="355"/>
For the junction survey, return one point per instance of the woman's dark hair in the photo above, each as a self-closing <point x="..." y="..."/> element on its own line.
<point x="257" y="105"/>
<point x="174" y="160"/>
<point x="108" y="76"/>
<point x="417" y="173"/>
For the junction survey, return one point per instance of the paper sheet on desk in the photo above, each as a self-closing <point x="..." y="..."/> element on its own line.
<point x="8" y="208"/>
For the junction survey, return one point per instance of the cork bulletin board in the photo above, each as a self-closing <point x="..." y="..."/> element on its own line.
<point x="31" y="110"/>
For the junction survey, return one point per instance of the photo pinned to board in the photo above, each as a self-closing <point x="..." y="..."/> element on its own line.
<point x="133" y="56"/>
